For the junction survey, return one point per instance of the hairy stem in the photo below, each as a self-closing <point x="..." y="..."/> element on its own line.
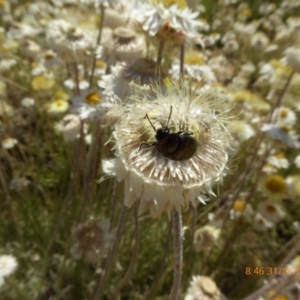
<point x="134" y="255"/>
<point x="177" y="238"/>
<point x="111" y="256"/>
<point x="102" y="10"/>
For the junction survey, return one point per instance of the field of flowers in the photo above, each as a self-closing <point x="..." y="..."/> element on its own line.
<point x="149" y="150"/>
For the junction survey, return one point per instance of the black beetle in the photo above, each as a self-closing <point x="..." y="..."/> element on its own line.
<point x="177" y="146"/>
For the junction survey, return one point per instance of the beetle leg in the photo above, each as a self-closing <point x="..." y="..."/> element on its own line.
<point x="145" y="143"/>
<point x="188" y="133"/>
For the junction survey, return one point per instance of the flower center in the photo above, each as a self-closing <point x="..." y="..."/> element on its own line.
<point x="167" y="3"/>
<point x="281" y="297"/>
<point x="276" y="184"/>
<point x="3" y="3"/>
<point x="93" y="98"/>
<point x="193" y="59"/>
<point x="59" y="103"/>
<point x="48" y="56"/>
<point x="283" y="113"/>
<point x="279" y="155"/>
<point x="124" y="35"/>
<point x="239" y="205"/>
<point x="271" y="209"/>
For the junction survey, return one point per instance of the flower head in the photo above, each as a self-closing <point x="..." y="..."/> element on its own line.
<point x="170" y="150"/>
<point x="90" y="105"/>
<point x="8" y="265"/>
<point x="202" y="287"/>
<point x="156" y="18"/>
<point x="92" y="240"/>
<point x="273" y="212"/>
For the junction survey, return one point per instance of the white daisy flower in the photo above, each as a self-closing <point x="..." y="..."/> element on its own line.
<point x="204" y="288"/>
<point x="279" y="161"/>
<point x="8" y="265"/>
<point x="90" y="105"/>
<point x="261" y="224"/>
<point x="273" y="212"/>
<point x="297" y="161"/>
<point x="284" y="117"/>
<point x="292" y="58"/>
<point x="69" y="126"/>
<point x="27" y="102"/>
<point x="154" y="16"/>
<point x="9" y="143"/>
<point x="57" y="107"/>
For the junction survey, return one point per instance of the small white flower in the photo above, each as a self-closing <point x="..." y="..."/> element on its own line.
<point x="205" y="237"/>
<point x="284" y="117"/>
<point x="154" y="16"/>
<point x="90" y="105"/>
<point x="9" y="143"/>
<point x="69" y="126"/>
<point x="6" y="64"/>
<point x="202" y="288"/>
<point x="278" y="133"/>
<point x="114" y="84"/>
<point x="241" y="207"/>
<point x="259" y="41"/>
<point x="292" y="58"/>
<point x="18" y="184"/>
<point x="297" y="161"/>
<point x="82" y="84"/>
<point x="279" y="161"/>
<point x="261" y="224"/>
<point x="28" y="102"/>
<point x="58" y="106"/>
<point x="197" y="72"/>
<point x="273" y="212"/>
<point x="8" y="265"/>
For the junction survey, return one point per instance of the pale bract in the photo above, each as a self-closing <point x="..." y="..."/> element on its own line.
<point x="162" y="183"/>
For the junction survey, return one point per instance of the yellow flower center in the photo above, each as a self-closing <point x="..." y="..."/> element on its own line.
<point x="194" y="59"/>
<point x="59" y="103"/>
<point x="167" y="3"/>
<point x="281" y="297"/>
<point x="271" y="208"/>
<point x="242" y="95"/>
<point x="283" y="113"/>
<point x="93" y="98"/>
<point x="279" y="155"/>
<point x="276" y="184"/>
<point x="34" y="65"/>
<point x="42" y="82"/>
<point x="239" y="205"/>
<point x="247" y="12"/>
<point x="276" y="63"/>
<point x="48" y="56"/>
<point x="61" y="95"/>
<point x="3" y="3"/>
<point x="100" y="64"/>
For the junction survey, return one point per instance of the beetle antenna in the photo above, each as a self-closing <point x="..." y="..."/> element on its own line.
<point x="169" y="117"/>
<point x="150" y="122"/>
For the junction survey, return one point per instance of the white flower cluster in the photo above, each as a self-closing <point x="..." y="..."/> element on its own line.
<point x="8" y="265"/>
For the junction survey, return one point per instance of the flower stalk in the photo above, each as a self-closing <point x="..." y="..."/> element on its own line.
<point x="177" y="241"/>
